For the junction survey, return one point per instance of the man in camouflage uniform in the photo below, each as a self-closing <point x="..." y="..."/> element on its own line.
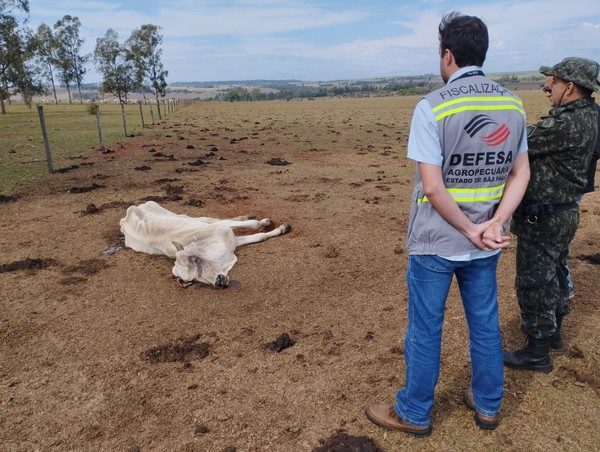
<point x="590" y="187"/>
<point x="560" y="150"/>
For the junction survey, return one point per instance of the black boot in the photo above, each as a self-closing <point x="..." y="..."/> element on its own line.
<point x="556" y="342"/>
<point x="535" y="355"/>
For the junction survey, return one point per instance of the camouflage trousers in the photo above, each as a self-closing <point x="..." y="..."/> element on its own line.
<point x="541" y="285"/>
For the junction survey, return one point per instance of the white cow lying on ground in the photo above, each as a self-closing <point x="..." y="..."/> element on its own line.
<point x="203" y="247"/>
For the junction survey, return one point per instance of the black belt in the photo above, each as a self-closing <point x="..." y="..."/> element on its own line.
<point x="532" y="213"/>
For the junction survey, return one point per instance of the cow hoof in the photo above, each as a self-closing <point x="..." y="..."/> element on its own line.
<point x="285" y="228"/>
<point x="265" y="222"/>
<point x="184" y="283"/>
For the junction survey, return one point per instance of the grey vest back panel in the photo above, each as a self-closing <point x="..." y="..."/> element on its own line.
<point x="480" y="124"/>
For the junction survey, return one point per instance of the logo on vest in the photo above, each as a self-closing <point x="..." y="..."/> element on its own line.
<point x="498" y="136"/>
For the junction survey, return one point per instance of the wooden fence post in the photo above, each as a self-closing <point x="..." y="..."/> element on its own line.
<point x="40" y="110"/>
<point x="141" y="114"/>
<point x="123" y="115"/>
<point x="100" y="136"/>
<point x="152" y="114"/>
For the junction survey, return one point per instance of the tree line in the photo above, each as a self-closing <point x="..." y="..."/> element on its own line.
<point x="30" y="61"/>
<point x="294" y="91"/>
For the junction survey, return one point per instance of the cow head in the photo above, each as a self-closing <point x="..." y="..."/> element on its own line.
<point x="191" y="265"/>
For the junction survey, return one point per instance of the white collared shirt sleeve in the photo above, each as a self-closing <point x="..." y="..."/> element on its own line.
<point x="423" y="139"/>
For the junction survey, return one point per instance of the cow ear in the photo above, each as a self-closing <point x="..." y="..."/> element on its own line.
<point x="178" y="246"/>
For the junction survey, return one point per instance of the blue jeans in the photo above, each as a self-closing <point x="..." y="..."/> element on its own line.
<point x="428" y="279"/>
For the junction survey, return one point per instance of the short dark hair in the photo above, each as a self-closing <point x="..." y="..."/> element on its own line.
<point x="585" y="92"/>
<point x="466" y="37"/>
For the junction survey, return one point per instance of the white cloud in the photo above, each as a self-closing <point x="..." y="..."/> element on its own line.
<point x="245" y="21"/>
<point x="195" y="19"/>
<point x="259" y="38"/>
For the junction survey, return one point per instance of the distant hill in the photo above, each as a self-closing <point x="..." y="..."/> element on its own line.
<point x="255" y="90"/>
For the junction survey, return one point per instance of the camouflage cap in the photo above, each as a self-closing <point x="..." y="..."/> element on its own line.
<point x="580" y="71"/>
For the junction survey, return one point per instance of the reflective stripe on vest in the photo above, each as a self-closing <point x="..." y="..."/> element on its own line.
<point x="463" y="195"/>
<point x="478" y="103"/>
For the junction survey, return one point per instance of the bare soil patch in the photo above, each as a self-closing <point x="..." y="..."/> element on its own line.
<point x="592" y="258"/>
<point x="85" y="188"/>
<point x="86" y="267"/>
<point x="27" y="264"/>
<point x="8" y="198"/>
<point x="185" y="349"/>
<point x="342" y="442"/>
<point x="89" y="349"/>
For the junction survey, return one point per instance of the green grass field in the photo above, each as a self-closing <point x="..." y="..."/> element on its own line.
<point x="72" y="133"/>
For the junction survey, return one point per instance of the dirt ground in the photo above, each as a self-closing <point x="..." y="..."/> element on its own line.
<point x="108" y="352"/>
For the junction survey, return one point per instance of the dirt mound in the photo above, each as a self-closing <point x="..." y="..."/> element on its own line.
<point x="184" y="350"/>
<point x="5" y="199"/>
<point x="278" y="161"/>
<point x="591" y="258"/>
<point x="27" y="264"/>
<point x="281" y="343"/>
<point x="342" y="442"/>
<point x="66" y="169"/>
<point x="197" y="162"/>
<point x="92" y="209"/>
<point x="85" y="188"/>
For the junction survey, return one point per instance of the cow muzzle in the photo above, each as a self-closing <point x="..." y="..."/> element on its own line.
<point x="221" y="281"/>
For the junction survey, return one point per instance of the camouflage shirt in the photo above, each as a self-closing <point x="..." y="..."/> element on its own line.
<point x="560" y="150"/>
<point x="595" y="157"/>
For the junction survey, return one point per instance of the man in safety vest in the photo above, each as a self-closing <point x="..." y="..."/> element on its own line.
<point x="468" y="139"/>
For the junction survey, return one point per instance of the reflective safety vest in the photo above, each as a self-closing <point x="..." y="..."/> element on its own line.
<point x="480" y="124"/>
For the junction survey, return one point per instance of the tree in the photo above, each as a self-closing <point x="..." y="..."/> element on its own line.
<point x="7" y="7"/>
<point x="70" y="62"/>
<point x="237" y="94"/>
<point x="11" y="51"/>
<point x="65" y="73"/>
<point x="111" y="59"/>
<point x="47" y="54"/>
<point x="257" y="94"/>
<point x="137" y="53"/>
<point x="147" y="41"/>
<point x="16" y="52"/>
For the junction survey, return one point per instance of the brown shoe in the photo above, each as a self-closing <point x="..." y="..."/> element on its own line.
<point x="482" y="421"/>
<point x="385" y="416"/>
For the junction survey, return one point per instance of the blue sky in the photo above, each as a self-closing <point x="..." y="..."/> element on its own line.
<point x="336" y="39"/>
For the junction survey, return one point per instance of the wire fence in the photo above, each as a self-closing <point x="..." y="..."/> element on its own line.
<point x="49" y="137"/>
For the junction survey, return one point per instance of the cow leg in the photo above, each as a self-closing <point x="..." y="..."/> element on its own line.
<point x="255" y="238"/>
<point x="218" y="220"/>
<point x="245" y="224"/>
<point x="244" y="217"/>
